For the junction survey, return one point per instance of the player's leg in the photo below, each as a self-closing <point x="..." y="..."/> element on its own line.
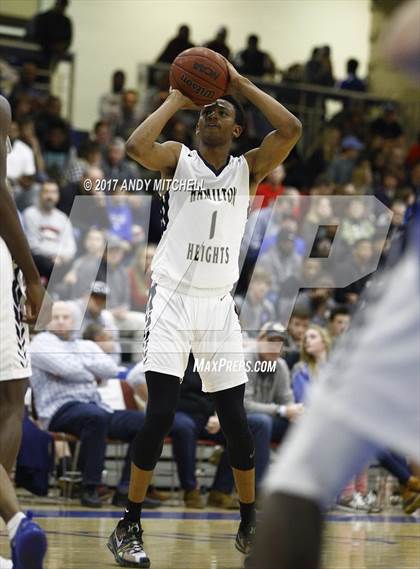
<point x="230" y="409"/>
<point x="303" y="481"/>
<point x="124" y="426"/>
<point x="221" y="347"/>
<point x="261" y="426"/>
<point x="167" y="345"/>
<point x="126" y="541"/>
<point x="12" y="395"/>
<point x="9" y="505"/>
<point x="27" y="539"/>
<point x="163" y="394"/>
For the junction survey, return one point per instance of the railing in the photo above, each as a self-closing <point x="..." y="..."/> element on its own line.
<point x="16" y="51"/>
<point x="313" y="104"/>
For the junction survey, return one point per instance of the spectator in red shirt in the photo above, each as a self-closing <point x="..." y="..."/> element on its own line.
<point x="413" y="155"/>
<point x="270" y="188"/>
<point x="140" y="277"/>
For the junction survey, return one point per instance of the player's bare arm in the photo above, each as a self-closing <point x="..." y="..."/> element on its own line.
<point x="142" y="145"/>
<point x="13" y="235"/>
<point x="277" y="145"/>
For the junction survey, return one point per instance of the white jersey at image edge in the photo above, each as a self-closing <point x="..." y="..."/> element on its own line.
<point x="206" y="216"/>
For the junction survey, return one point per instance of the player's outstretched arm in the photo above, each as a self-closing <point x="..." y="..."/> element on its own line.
<point x="277" y="144"/>
<point x="142" y="145"/>
<point x="12" y="233"/>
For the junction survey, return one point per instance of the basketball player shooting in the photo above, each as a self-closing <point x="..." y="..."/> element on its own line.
<point x="27" y="540"/>
<point x="194" y="269"/>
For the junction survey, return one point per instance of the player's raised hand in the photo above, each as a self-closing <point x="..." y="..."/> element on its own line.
<point x="38" y="305"/>
<point x="185" y="102"/>
<point x="235" y="79"/>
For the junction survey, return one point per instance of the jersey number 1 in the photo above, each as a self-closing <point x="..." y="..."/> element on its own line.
<point x="213" y="224"/>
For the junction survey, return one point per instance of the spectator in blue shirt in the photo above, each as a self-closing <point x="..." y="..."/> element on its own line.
<point x="352" y="81"/>
<point x="341" y="168"/>
<point x="315" y="349"/>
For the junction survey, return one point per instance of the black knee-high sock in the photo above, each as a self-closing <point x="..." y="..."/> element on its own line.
<point x="163" y="395"/>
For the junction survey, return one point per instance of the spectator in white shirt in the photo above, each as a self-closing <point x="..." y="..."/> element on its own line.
<point x="50" y="233"/>
<point x="21" y="167"/>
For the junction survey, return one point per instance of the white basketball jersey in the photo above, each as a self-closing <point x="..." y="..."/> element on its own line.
<point x="205" y="221"/>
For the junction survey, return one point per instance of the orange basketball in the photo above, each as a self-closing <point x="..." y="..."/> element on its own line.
<point x="200" y="74"/>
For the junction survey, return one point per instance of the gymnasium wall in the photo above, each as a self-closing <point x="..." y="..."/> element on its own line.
<point x="123" y="33"/>
<point x="19" y="8"/>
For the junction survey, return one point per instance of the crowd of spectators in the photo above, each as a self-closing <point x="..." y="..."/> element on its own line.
<point x="307" y="210"/>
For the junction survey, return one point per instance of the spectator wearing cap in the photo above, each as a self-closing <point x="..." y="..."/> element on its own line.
<point x="268" y="395"/>
<point x="387" y="126"/>
<point x="90" y="309"/>
<point x="341" y="168"/>
<point x="255" y="309"/>
<point x="129" y="322"/>
<point x="269" y="403"/>
<point x="115" y="165"/>
<point x="282" y="261"/>
<point x="65" y="376"/>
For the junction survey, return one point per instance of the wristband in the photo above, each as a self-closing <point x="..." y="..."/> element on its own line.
<point x="282" y="410"/>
